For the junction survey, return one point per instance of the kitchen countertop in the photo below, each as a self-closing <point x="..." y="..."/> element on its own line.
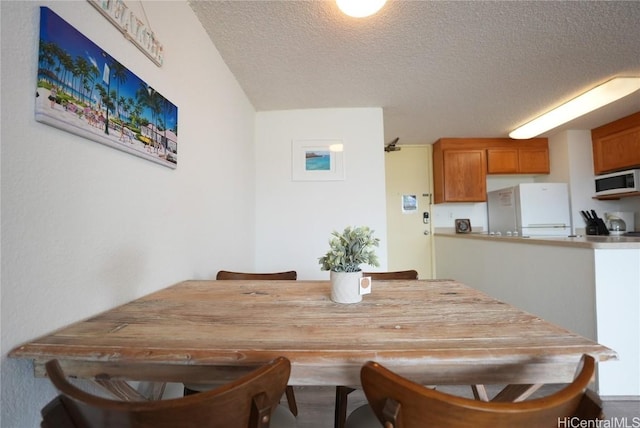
<point x="580" y="241"/>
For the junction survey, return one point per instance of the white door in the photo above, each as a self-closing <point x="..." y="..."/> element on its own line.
<point x="409" y="196"/>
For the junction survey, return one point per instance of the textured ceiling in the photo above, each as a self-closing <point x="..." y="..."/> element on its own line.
<point x="437" y="68"/>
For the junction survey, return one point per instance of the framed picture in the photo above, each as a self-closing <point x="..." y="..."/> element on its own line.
<point x="83" y="90"/>
<point x="409" y="204"/>
<point x="317" y="160"/>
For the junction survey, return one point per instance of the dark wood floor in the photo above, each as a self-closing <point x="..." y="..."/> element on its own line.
<point x="316" y="405"/>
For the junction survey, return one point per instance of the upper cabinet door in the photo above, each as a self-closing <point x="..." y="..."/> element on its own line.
<point x="465" y="176"/>
<point x="533" y="161"/>
<point x="502" y="161"/>
<point x="522" y="158"/>
<point x="616" y="145"/>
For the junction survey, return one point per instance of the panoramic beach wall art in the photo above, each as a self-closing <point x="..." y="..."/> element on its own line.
<point x="84" y="90"/>
<point x="317" y="160"/>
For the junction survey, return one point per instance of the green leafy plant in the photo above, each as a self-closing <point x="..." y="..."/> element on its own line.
<point x="349" y="249"/>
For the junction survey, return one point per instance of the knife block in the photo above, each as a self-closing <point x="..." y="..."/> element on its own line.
<point x="596" y="227"/>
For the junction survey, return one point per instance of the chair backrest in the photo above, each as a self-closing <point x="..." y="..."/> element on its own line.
<point x="400" y="274"/>
<point x="245" y="402"/>
<point x="288" y="275"/>
<point x="400" y="403"/>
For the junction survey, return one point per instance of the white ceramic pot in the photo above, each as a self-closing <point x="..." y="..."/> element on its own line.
<point x="345" y="287"/>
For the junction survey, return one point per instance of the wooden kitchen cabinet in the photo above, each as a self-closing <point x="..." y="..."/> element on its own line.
<point x="518" y="157"/>
<point x="502" y="161"/>
<point x="459" y="171"/>
<point x="616" y="145"/>
<point x="465" y="175"/>
<point x="461" y="165"/>
<point x="534" y="161"/>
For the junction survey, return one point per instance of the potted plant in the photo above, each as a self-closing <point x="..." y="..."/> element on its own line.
<point x="347" y="251"/>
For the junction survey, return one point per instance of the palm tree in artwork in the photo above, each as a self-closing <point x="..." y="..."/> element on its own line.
<point x="88" y="79"/>
<point x="148" y="97"/>
<point x="119" y="73"/>
<point x="130" y="107"/>
<point x="166" y="108"/>
<point x="47" y="61"/>
<point x="67" y="65"/>
<point x="136" y="111"/>
<point x="55" y="60"/>
<point x="122" y="107"/>
<point x="107" y="99"/>
<point x="81" y="72"/>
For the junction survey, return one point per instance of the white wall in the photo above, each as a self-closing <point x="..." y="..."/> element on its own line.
<point x="294" y="218"/>
<point x="86" y="227"/>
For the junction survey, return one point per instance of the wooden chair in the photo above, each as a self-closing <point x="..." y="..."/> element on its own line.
<point x="396" y="402"/>
<point x="400" y="274"/>
<point x="224" y="275"/>
<point x="342" y="392"/>
<point x="228" y="275"/>
<point x="246" y="402"/>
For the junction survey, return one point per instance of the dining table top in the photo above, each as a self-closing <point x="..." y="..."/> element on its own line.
<point x="433" y="331"/>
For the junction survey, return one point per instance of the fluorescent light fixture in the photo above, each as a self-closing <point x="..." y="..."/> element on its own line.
<point x="591" y="100"/>
<point x="360" y="8"/>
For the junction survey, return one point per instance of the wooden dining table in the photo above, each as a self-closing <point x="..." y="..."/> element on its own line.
<point x="432" y="331"/>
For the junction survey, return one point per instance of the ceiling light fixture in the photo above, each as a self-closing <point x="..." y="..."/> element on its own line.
<point x="589" y="101"/>
<point x="360" y="8"/>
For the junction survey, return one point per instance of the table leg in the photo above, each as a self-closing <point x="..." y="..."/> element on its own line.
<point x="509" y="394"/>
<point x="291" y="400"/>
<point x="515" y="393"/>
<point x="125" y="392"/>
<point x="341" y="406"/>
<point x="480" y="392"/>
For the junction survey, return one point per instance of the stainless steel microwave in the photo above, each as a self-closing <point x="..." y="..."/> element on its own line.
<point x="618" y="182"/>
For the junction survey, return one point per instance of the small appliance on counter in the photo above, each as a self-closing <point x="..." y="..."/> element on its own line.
<point x="595" y="225"/>
<point x="530" y="209"/>
<point x="619" y="222"/>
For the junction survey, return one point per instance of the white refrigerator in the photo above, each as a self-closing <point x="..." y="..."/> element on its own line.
<point x="530" y="209"/>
